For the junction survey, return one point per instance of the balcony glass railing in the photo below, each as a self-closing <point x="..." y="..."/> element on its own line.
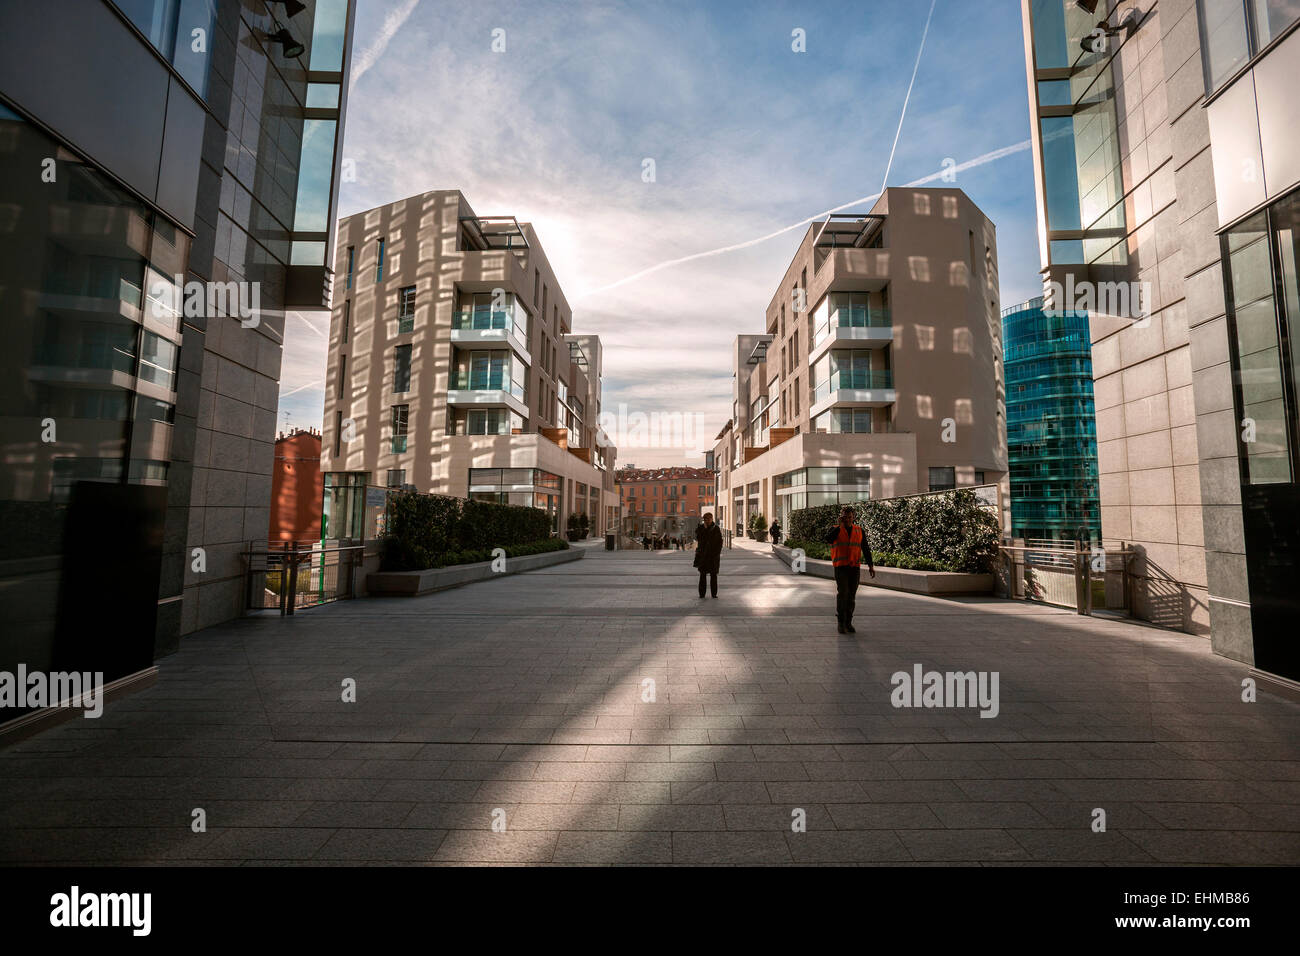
<point x="488" y="319"/>
<point x="485" y="381"/>
<point x="864" y="378"/>
<point x="852" y="317"/>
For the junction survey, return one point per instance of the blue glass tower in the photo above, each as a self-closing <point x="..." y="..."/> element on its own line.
<point x="1051" y="424"/>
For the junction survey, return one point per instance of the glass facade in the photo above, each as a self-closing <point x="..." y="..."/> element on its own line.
<point x="88" y="379"/>
<point x="486" y="310"/>
<point x="181" y="30"/>
<point x="1051" y="424"/>
<point x="1262" y="286"/>
<point x="530" y="487"/>
<point x="1082" y="178"/>
<point x="1233" y="31"/>
<point x="490" y="370"/>
<point x="807" y="487"/>
<point x="178" y="161"/>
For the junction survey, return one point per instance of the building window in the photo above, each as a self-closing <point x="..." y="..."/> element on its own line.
<point x="379" y="263"/>
<point x="943" y="479"/>
<point x="402" y="369"/>
<point x="837" y="421"/>
<point x="492" y="421"/>
<point x="352" y="261"/>
<point x="405" y="309"/>
<point x="396" y="477"/>
<point x="341" y="386"/>
<point x="338" y="433"/>
<point x="401" y="417"/>
<point x="170" y="26"/>
<point x="347" y="320"/>
<point x="1233" y="31"/>
<point x="979" y="478"/>
<point x="1262" y="255"/>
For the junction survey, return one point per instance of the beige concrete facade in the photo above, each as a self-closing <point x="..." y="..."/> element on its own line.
<point x="882" y="354"/>
<point x="467" y="332"/>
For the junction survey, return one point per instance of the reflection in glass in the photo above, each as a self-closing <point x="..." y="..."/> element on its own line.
<point x="1225" y="39"/>
<point x="315" y="169"/>
<point x="1259" y="362"/>
<point x="327" y="35"/>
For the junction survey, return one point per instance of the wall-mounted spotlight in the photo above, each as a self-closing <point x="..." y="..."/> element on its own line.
<point x="1097" y="40"/>
<point x="291" y="46"/>
<point x="292" y="7"/>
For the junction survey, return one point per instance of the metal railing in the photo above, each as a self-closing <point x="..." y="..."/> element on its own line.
<point x="1078" y="575"/>
<point x="294" y="576"/>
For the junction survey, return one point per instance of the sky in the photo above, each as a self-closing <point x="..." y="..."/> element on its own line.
<point x="748" y="138"/>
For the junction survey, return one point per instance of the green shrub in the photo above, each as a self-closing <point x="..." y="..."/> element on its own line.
<point x="952" y="531"/>
<point x="424" y="531"/>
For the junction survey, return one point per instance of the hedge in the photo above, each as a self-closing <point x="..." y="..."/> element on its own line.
<point x="513" y="551"/>
<point x="427" y="531"/>
<point x="953" y="530"/>
<point x="820" y="551"/>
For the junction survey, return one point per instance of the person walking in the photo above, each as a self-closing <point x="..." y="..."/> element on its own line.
<point x="775" y="531"/>
<point x="708" y="553"/>
<point x="849" y="545"/>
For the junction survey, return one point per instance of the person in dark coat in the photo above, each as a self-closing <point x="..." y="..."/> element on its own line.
<point x="708" y="553"/>
<point x="849" y="546"/>
<point x="775" y="532"/>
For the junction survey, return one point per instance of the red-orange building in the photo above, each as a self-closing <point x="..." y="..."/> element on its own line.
<point x="296" y="487"/>
<point x="664" y="500"/>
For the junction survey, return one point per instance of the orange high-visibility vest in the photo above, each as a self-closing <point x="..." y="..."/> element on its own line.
<point x="846" y="552"/>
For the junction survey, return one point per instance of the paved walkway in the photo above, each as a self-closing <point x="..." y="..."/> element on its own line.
<point x="525" y="696"/>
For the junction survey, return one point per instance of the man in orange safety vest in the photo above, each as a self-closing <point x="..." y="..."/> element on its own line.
<point x="849" y="545"/>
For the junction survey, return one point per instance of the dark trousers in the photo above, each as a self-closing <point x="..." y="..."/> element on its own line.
<point x="846" y="592"/>
<point x="712" y="577"/>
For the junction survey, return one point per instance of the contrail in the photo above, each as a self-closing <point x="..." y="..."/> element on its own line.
<point x="906" y="99"/>
<point x="294" y="391"/>
<point x="371" y="54"/>
<point x="960" y="167"/>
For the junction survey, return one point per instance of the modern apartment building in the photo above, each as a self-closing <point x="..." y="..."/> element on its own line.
<point x="453" y="368"/>
<point x="879" y="370"/>
<point x="1167" y="153"/>
<point x="664" y="500"/>
<point x="167" y="181"/>
<point x="1051" y="424"/>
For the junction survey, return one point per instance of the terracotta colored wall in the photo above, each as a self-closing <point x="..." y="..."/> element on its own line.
<point x="296" y="488"/>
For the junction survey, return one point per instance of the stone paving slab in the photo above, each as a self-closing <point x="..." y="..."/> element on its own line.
<point x="529" y="699"/>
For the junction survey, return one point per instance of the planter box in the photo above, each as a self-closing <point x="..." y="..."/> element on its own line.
<point x="413" y="583"/>
<point x="937" y="583"/>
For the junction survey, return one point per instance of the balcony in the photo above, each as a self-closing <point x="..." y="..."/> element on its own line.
<point x="474" y="389"/>
<point x="485" y="329"/>
<point x="872" y="388"/>
<point x="852" y="327"/>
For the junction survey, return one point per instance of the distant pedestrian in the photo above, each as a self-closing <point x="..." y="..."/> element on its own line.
<point x="775" y="532"/>
<point x="645" y="542"/>
<point x="849" y="545"/>
<point x="708" y="553"/>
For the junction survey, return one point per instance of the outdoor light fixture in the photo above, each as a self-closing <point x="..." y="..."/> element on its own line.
<point x="291" y="46"/>
<point x="292" y="7"/>
<point x="1128" y="25"/>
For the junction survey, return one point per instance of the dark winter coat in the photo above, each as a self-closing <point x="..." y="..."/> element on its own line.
<point x="708" y="551"/>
